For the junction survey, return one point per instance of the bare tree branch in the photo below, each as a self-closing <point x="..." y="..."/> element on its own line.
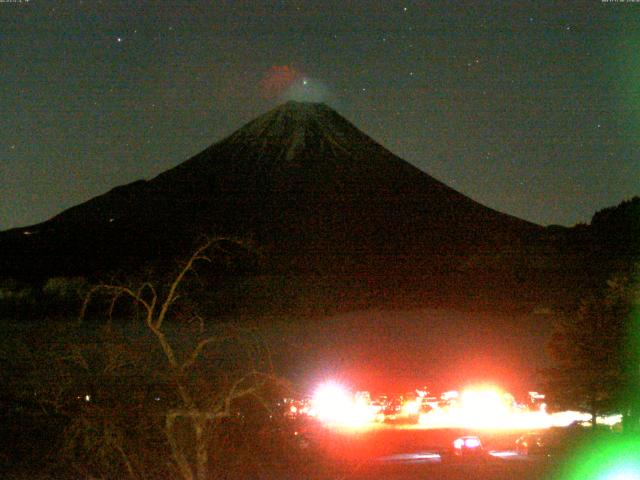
<point x="171" y="296"/>
<point x="176" y="450"/>
<point x="197" y="351"/>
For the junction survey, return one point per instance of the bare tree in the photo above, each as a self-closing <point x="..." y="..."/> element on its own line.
<point x="203" y="387"/>
<point x="146" y="386"/>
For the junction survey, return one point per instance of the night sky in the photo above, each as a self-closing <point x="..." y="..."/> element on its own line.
<point x="530" y="108"/>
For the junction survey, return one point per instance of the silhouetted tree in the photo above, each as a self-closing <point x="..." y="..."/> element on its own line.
<point x="596" y="353"/>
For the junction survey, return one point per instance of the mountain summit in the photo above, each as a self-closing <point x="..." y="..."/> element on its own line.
<point x="310" y="189"/>
<point x="308" y="176"/>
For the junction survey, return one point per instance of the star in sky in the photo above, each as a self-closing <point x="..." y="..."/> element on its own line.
<point x="437" y="85"/>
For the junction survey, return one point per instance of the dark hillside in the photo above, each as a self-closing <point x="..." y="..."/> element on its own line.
<point x="324" y="203"/>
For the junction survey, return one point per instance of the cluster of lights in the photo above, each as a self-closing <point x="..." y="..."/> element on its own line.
<point x="474" y="408"/>
<point x="477" y="408"/>
<point x="484" y="408"/>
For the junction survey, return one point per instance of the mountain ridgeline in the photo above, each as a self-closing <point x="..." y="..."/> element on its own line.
<point x="331" y="213"/>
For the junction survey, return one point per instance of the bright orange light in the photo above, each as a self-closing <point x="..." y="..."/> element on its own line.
<point x="485" y="408"/>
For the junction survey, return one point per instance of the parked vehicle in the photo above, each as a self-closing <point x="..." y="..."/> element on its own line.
<point x="467" y="445"/>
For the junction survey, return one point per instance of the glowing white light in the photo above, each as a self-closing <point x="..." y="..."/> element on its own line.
<point x="472" y="442"/>
<point x="503" y="454"/>
<point x="333" y="404"/>
<point x="536" y="395"/>
<point x="622" y="473"/>
<point x="450" y="395"/>
<point x="564" y="419"/>
<point x="485" y="408"/>
<point x="403" y="457"/>
<point x="411" y="407"/>
<point x="609" y="420"/>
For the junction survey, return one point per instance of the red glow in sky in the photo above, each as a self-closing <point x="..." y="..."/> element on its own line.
<point x="277" y="79"/>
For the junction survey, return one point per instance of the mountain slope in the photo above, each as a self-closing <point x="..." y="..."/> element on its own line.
<point x="306" y="160"/>
<point x="311" y="190"/>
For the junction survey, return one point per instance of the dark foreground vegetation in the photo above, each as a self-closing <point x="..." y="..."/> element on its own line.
<point x="142" y="386"/>
<point x="137" y="379"/>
